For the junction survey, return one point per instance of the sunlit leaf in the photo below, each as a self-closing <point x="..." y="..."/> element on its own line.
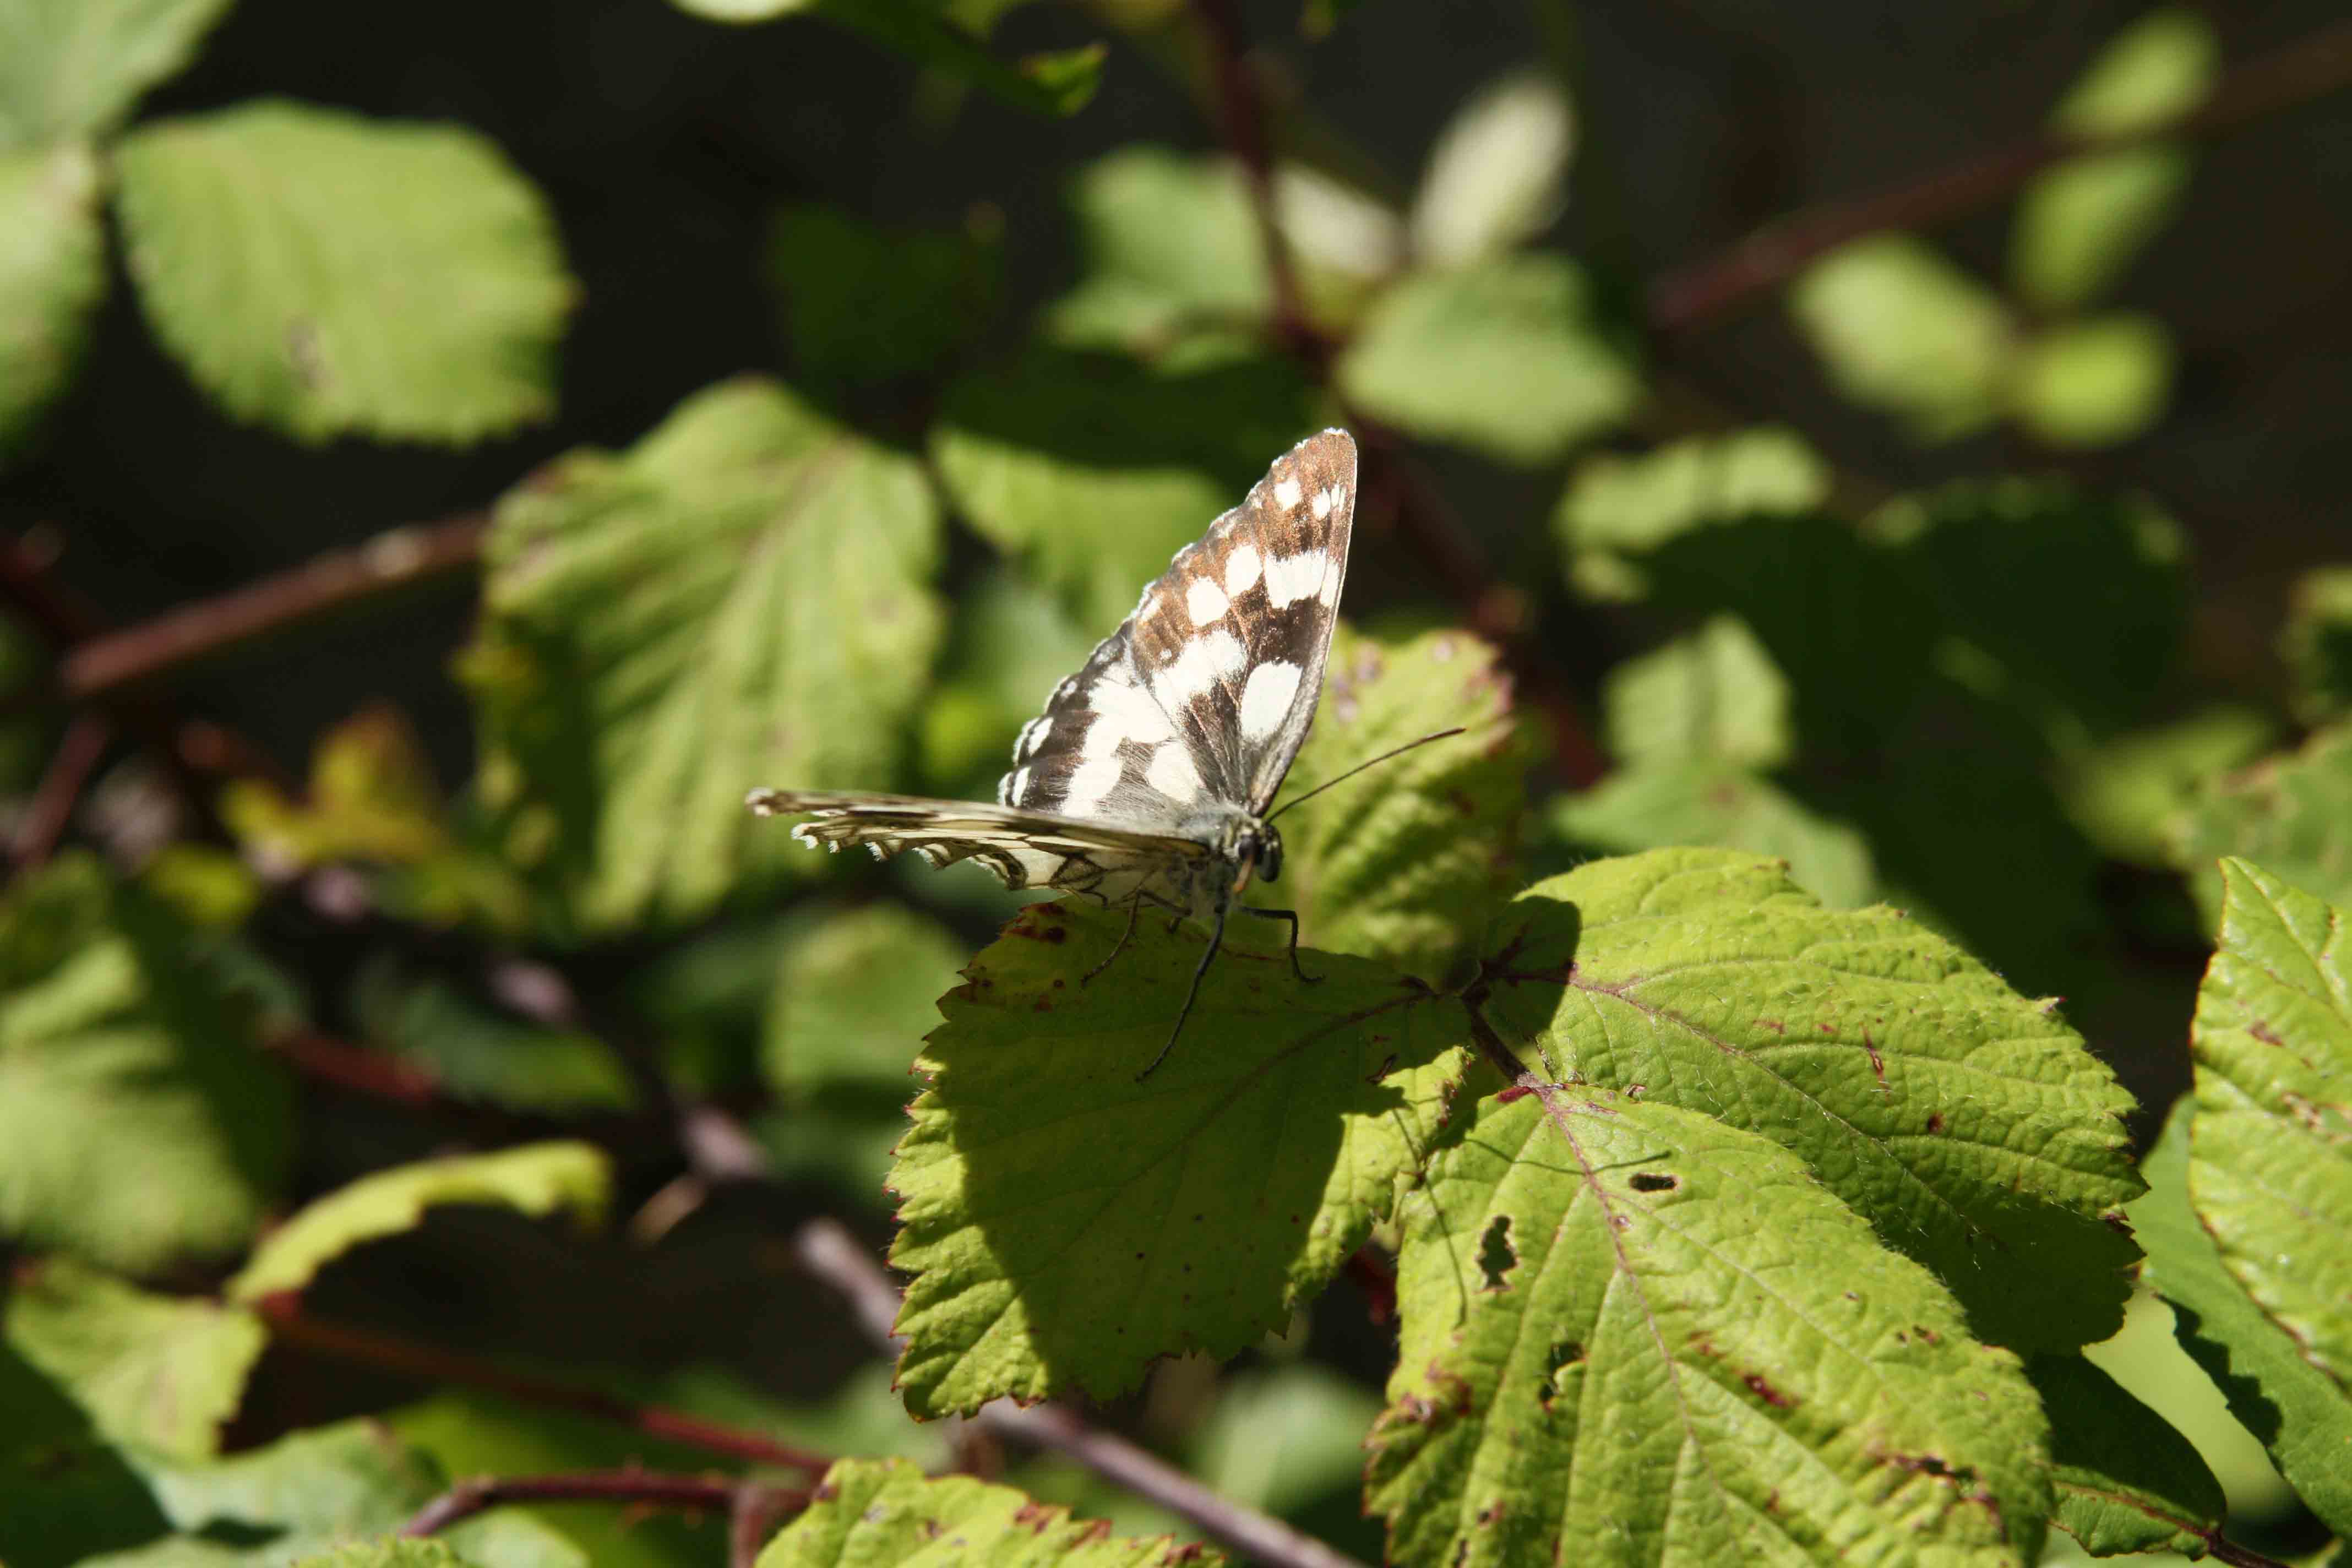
<point x="2126" y="793"/>
<point x="139" y="1125"/>
<point x="1662" y="805"/>
<point x="2290" y="814"/>
<point x="1965" y="1122"/>
<point x="743" y="597"/>
<point x="889" y="1512"/>
<point x="328" y="275"/>
<point x="1619" y="508"/>
<point x="74" y="68"/>
<point x="1166" y="245"/>
<point x="2316" y="644"/>
<point x="1064" y="1223"/>
<point x="2095" y="382"/>
<point x="1903" y="329"/>
<point x="1624" y="1321"/>
<point x="1509" y="357"/>
<point x="537" y="1178"/>
<point x="52" y="273"/>
<point x="2125" y="1480"/>
<point x="161" y="1373"/>
<point x="1712" y="695"/>
<point x="1498" y="175"/>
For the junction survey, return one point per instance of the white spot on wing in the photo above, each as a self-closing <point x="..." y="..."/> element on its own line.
<point x="1294" y="577"/>
<point x="1091" y="786"/>
<point x="1322" y="505"/>
<point x="1173" y="774"/>
<point x="1033" y="735"/>
<point x="1124" y="712"/>
<point x="1241" y="569"/>
<point x="1267" y="698"/>
<point x="1286" y="493"/>
<point x="1205" y="600"/>
<point x="1016" y="786"/>
<point x="1207" y="660"/>
<point x="1331" y="500"/>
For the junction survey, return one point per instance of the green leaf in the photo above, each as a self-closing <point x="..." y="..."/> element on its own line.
<point x="1712" y="695"/>
<point x="1286" y="1440"/>
<point x="2095" y="382"/>
<point x="1695" y="802"/>
<point x="1168" y="245"/>
<point x="393" y="1553"/>
<point x="1497" y="175"/>
<point x="2270" y="1168"/>
<point x="52" y="274"/>
<point x="888" y="1512"/>
<point x="1901" y="330"/>
<point x="1065" y="1223"/>
<point x="1968" y="1123"/>
<point x="537" y="1178"/>
<point x="1623" y="1321"/>
<point x="2125" y="1480"/>
<point x="2080" y="225"/>
<point x="74" y="68"/>
<point x="478" y="1053"/>
<point x="862" y="306"/>
<point x="1509" y="357"/>
<point x="828" y="1021"/>
<point x="743" y="597"/>
<point x="139" y="1126"/>
<point x="1407" y="863"/>
<point x="157" y="1373"/>
<point x="2291" y="814"/>
<point x="2126" y="793"/>
<point x="65" y="1493"/>
<point x="328" y="275"/>
<point x="2316" y="644"/>
<point x="2297" y="1410"/>
<point x="1097" y="468"/>
<point x="1012" y="643"/>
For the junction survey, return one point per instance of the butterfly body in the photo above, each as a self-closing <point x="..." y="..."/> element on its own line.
<point x="1148" y="777"/>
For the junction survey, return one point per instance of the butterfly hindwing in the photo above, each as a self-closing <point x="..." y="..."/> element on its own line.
<point x="1205" y="695"/>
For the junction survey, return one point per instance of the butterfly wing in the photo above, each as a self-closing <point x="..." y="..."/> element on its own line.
<point x="1203" y="695"/>
<point x="1025" y="849"/>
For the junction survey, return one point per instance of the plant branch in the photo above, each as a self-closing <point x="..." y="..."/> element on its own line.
<point x="467" y="1498"/>
<point x="430" y="1363"/>
<point x="51" y="810"/>
<point x="102" y="664"/>
<point x="828" y="1251"/>
<point x="1240" y="113"/>
<point x="1705" y="291"/>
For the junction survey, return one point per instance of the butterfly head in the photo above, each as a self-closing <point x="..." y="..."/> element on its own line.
<point x="1254" y="848"/>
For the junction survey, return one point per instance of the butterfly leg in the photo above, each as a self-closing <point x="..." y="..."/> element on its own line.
<point x="1292" y="916"/>
<point x="1216" y="940"/>
<point x="1134" y="908"/>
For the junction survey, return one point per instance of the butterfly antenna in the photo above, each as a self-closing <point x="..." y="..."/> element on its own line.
<point x="1359" y="767"/>
<point x="1216" y="940"/>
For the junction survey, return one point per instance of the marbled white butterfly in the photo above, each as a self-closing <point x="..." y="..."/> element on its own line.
<point x="1147" y="778"/>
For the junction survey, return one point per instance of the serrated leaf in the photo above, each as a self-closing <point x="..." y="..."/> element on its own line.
<point x="2316" y="644"/>
<point x="2298" y="1411"/>
<point x="2291" y="814"/>
<point x="52" y="273"/>
<point x="2095" y="382"/>
<point x="1714" y="694"/>
<point x="862" y="306"/>
<point x="536" y="1179"/>
<point x="328" y="275"/>
<point x="1097" y="467"/>
<point x="74" y="68"/>
<point x="1168" y="245"/>
<point x="2125" y="1480"/>
<point x="743" y="595"/>
<point x="2270" y="1167"/>
<point x="64" y="1491"/>
<point x="828" y="1022"/>
<point x="1509" y="357"/>
<point x="139" y="1126"/>
<point x="889" y="1512"/>
<point x="1497" y="173"/>
<point x="1965" y="1122"/>
<point x="1903" y="329"/>
<point x="1624" y="1322"/>
<point x="1065" y="1223"/>
<point x="1409" y="862"/>
<point x="1663" y="804"/>
<point x="2081" y="223"/>
<point x="2126" y="793"/>
<point x="156" y="1373"/>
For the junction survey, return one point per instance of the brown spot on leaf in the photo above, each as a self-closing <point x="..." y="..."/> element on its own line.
<point x="1934" y="1122"/>
<point x="1774" y="1025"/>
<point x="1761" y="1387"/>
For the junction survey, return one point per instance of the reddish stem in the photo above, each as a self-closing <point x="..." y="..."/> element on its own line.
<point x="68" y="774"/>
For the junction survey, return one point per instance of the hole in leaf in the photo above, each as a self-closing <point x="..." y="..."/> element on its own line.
<point x="1656" y="1182"/>
<point x="1567" y="1353"/>
<point x="1495" y="1257"/>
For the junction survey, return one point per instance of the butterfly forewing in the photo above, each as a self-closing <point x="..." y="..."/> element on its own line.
<point x="1205" y="695"/>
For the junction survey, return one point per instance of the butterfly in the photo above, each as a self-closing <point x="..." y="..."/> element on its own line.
<point x="1148" y="777"/>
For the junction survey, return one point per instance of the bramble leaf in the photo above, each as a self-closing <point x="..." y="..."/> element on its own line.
<point x="139" y="1125"/>
<point x="1408" y="862"/>
<point x="743" y="595"/>
<point x="1624" y="1321"/>
<point x="1713" y="695"/>
<point x="1169" y="247"/>
<point x="1509" y="357"/>
<point x="1903" y="329"/>
<point x="475" y="1052"/>
<point x="1620" y="507"/>
<point x="328" y="275"/>
<point x="74" y="68"/>
<point x="2270" y="1166"/>
<point x="1065" y="1223"/>
<point x="1966" y="1123"/>
<point x="2290" y="814"/>
<point x="828" y="1021"/>
<point x="2298" y="1411"/>
<point x="159" y="1374"/>
<point x="536" y="1179"/>
<point x="2126" y="1481"/>
<point x="52" y="274"/>
<point x="867" y="1512"/>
